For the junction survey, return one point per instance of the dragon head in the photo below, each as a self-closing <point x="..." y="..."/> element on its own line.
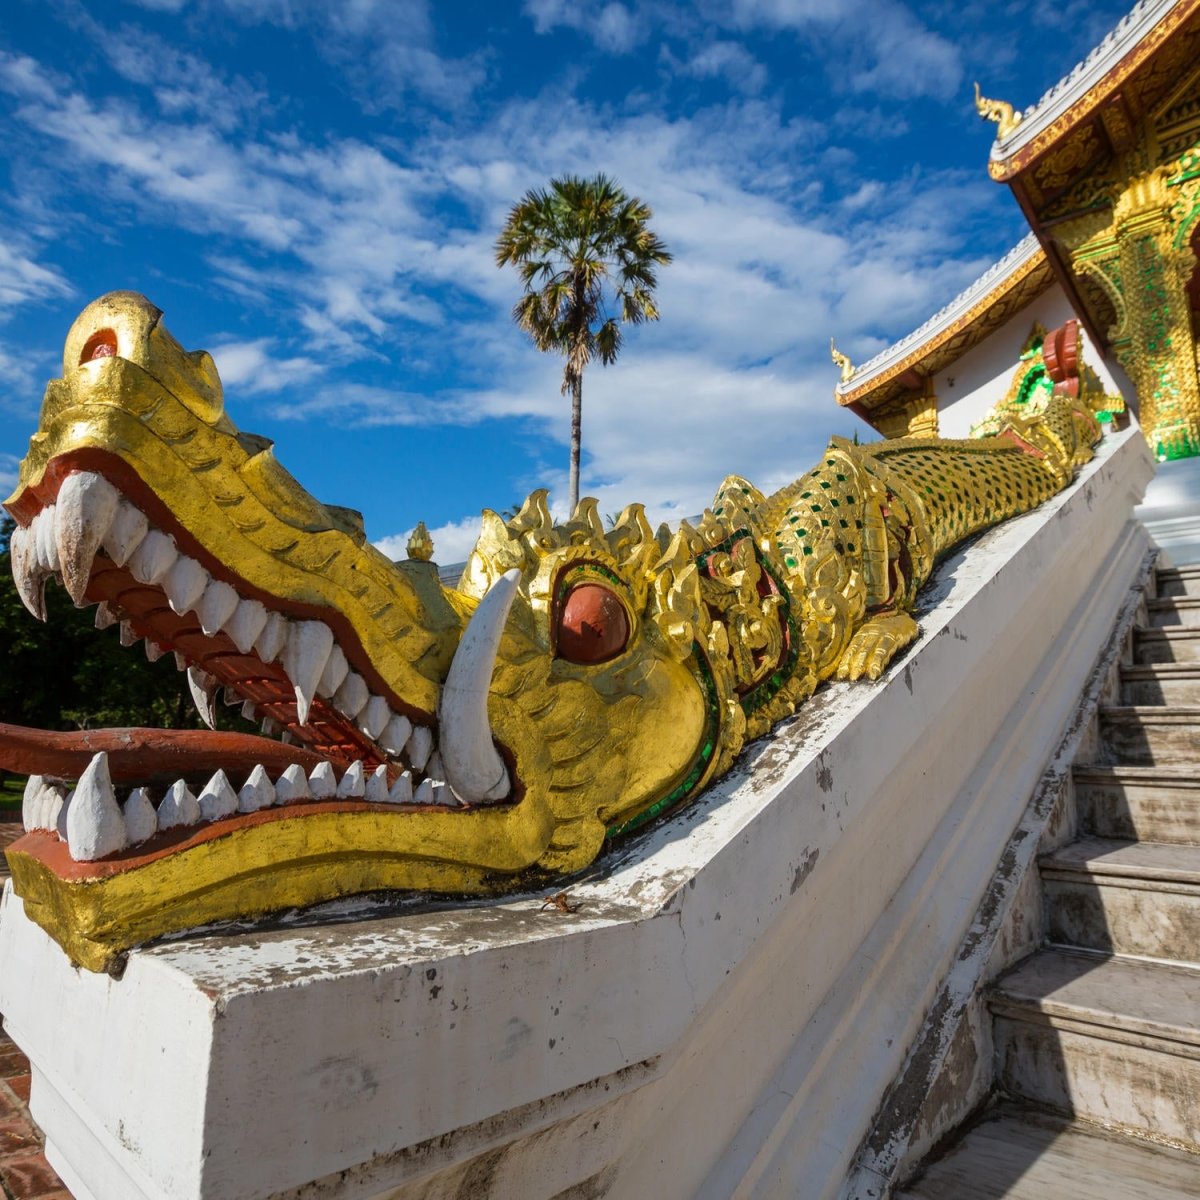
<point x="448" y="740"/>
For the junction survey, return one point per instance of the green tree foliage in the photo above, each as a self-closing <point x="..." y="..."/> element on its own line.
<point x="587" y="259"/>
<point x="66" y="674"/>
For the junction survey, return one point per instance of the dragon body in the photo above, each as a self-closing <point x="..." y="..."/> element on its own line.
<point x="577" y="683"/>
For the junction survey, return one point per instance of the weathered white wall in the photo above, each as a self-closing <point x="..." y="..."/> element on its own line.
<point x="970" y="386"/>
<point x="721" y="1016"/>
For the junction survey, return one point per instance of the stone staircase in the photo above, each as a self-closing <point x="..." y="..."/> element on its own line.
<point x="1097" y="1035"/>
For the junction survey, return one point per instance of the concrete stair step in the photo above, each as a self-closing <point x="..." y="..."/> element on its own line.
<point x="1178" y="581"/>
<point x="1132" y="898"/>
<point x="1174" y="610"/>
<point x="1154" y="804"/>
<point x="1179" y="644"/>
<point x="1152" y="735"/>
<point x="1161" y="683"/>
<point x="1019" y="1153"/>
<point x="1115" y="1040"/>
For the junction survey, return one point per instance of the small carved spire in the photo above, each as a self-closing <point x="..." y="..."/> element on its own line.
<point x="999" y="111"/>
<point x="420" y="544"/>
<point x="842" y="363"/>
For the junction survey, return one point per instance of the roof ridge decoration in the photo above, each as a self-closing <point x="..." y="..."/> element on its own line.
<point x="999" y="111"/>
<point x="1021" y="255"/>
<point x="1130" y="42"/>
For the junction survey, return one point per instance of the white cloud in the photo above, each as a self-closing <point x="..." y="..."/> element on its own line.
<point x="8" y="472"/>
<point x="611" y="26"/>
<point x="250" y="367"/>
<point x="24" y="280"/>
<point x="721" y="59"/>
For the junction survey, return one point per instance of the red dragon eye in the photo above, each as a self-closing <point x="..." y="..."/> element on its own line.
<point x="592" y="625"/>
<point x="102" y="344"/>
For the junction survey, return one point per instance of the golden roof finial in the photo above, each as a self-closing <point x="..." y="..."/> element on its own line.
<point x="420" y="544"/>
<point x="843" y="364"/>
<point x="999" y="111"/>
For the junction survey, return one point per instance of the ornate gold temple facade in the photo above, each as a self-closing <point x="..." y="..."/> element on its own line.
<point x="1106" y="168"/>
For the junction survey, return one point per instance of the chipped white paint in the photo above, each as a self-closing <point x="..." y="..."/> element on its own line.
<point x="719" y="1017"/>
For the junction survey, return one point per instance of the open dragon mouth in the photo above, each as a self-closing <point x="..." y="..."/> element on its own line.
<point x="295" y="675"/>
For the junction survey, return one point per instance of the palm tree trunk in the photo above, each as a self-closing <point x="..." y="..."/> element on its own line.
<point x="576" y="438"/>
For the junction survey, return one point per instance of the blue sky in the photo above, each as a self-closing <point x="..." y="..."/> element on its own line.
<point x="311" y="189"/>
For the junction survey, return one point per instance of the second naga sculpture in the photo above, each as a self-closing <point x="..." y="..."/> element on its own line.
<point x="576" y="684"/>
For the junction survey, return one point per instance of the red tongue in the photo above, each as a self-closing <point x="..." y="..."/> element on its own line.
<point x="145" y="755"/>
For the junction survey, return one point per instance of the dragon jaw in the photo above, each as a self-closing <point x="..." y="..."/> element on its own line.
<point x="141" y="495"/>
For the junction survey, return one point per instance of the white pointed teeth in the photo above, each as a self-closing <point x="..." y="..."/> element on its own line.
<point x="352" y="695"/>
<point x="141" y="821"/>
<point x="184" y="584"/>
<point x="424" y="793"/>
<point x="247" y="622"/>
<point x="352" y="785"/>
<point x="44" y="541"/>
<point x="178" y="807"/>
<point x="401" y="792"/>
<point x="40" y="804"/>
<point x="374" y="717"/>
<point x="292" y="786"/>
<point x="395" y="734"/>
<point x="336" y="670"/>
<point x="376" y="789"/>
<point x="218" y="799"/>
<point x="204" y="694"/>
<point x="322" y="783"/>
<point x="271" y="641"/>
<point x="154" y="557"/>
<point x="95" y="824"/>
<point x="215" y="606"/>
<point x="304" y="657"/>
<point x="83" y="512"/>
<point x="129" y="526"/>
<point x="420" y="747"/>
<point x="28" y="575"/>
<point x="257" y="792"/>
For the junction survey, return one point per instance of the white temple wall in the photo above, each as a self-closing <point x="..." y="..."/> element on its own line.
<point x="970" y="386"/>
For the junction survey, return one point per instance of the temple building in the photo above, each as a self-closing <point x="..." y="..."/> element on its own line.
<point x="1106" y="169"/>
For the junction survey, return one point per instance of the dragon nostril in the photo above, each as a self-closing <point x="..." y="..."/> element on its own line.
<point x="102" y="344"/>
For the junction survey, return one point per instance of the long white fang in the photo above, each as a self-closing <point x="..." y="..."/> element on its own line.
<point x="129" y="526"/>
<point x="376" y="789"/>
<point x="257" y="792"/>
<point x="292" y="786"/>
<point x="204" y="692"/>
<point x="43" y="535"/>
<point x="218" y="798"/>
<point x="178" y="807"/>
<point x="33" y="805"/>
<point x="216" y="606"/>
<point x="153" y="557"/>
<point x="420" y="747"/>
<point x="336" y="669"/>
<point x="474" y="769"/>
<point x="322" y="782"/>
<point x="141" y="821"/>
<point x="184" y="584"/>
<point x="374" y="718"/>
<point x="95" y="826"/>
<point x="351" y="786"/>
<point x="84" y="510"/>
<point x="273" y="638"/>
<point x="246" y="624"/>
<point x="27" y="573"/>
<point x="397" y="731"/>
<point x="304" y="658"/>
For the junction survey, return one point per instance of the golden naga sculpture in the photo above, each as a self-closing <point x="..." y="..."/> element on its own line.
<point x="845" y="367"/>
<point x="999" y="111"/>
<point x="578" y="682"/>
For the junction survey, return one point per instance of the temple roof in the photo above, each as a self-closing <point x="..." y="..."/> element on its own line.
<point x="1093" y="82"/>
<point x="1008" y="285"/>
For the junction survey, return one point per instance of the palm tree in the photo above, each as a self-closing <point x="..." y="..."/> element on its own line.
<point x="582" y="247"/>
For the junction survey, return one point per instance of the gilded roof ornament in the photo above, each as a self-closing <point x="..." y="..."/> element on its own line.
<point x="420" y="544"/>
<point x="842" y="363"/>
<point x="999" y="111"/>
